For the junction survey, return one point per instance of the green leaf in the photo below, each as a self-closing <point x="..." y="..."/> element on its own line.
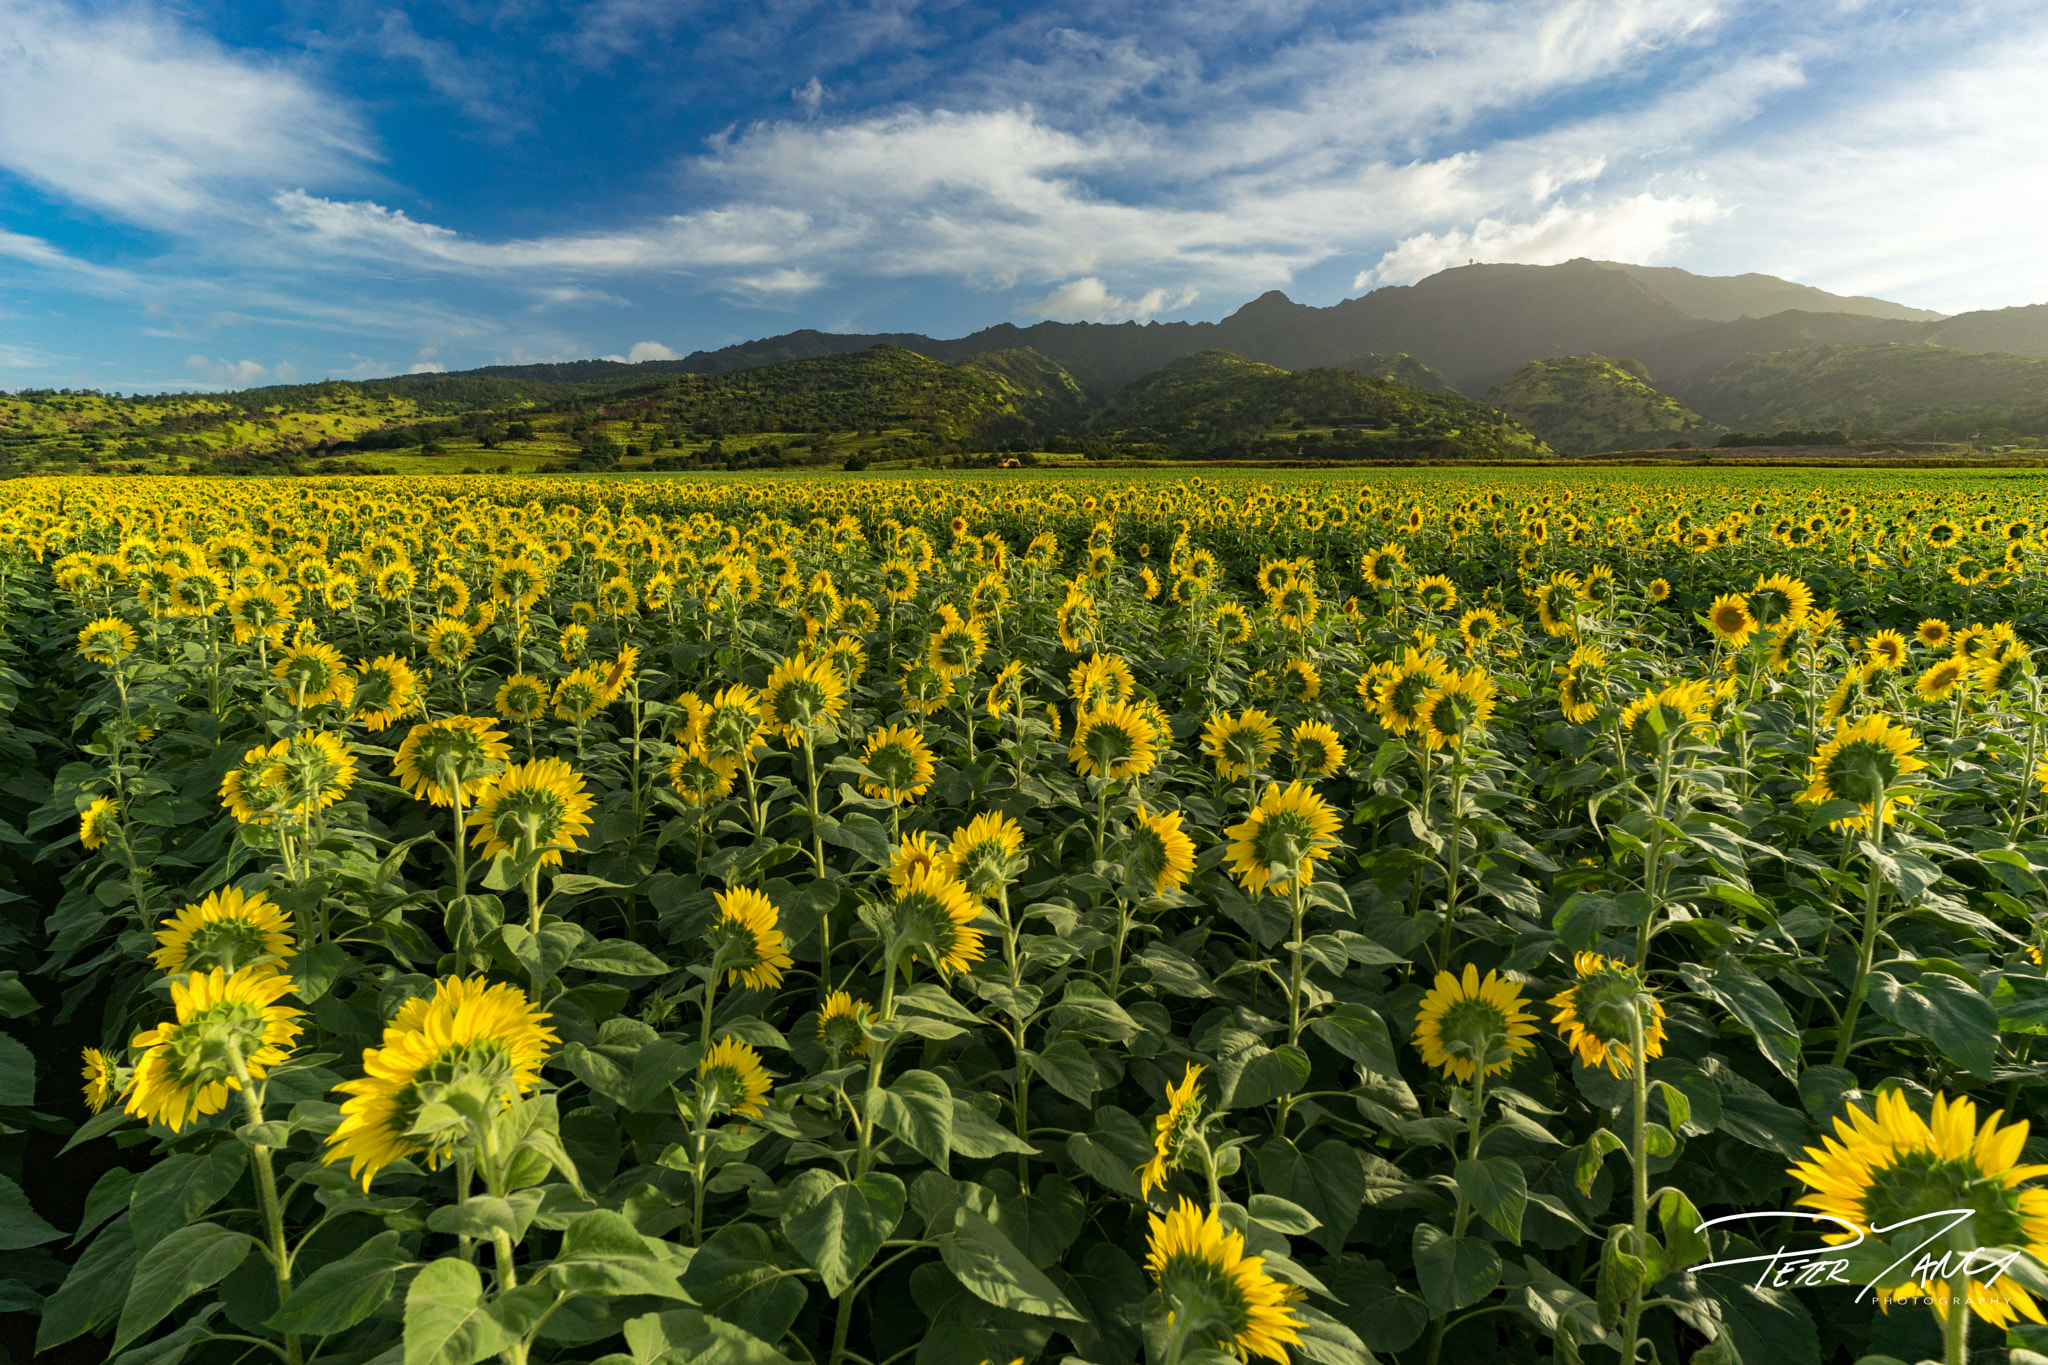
<point x="1329" y="1182"/>
<point x="1361" y="1035"/>
<point x="1497" y="1190"/>
<point x="684" y="1336"/>
<point x="446" y="1319"/>
<point x="619" y="957"/>
<point x="1386" y="1317"/>
<point x="977" y="1136"/>
<point x="1113" y="1150"/>
<point x="1944" y="1011"/>
<point x="1255" y="1075"/>
<point x="1684" y="1246"/>
<point x="1067" y="1067"/>
<point x="837" y="1225"/>
<point x="342" y="1293"/>
<point x="110" y="1195"/>
<point x="17" y="1073"/>
<point x="15" y="1000"/>
<point x="918" y="1108"/>
<point x="1045" y="1222"/>
<point x="1752" y="1001"/>
<point x="736" y="1276"/>
<point x="1455" y="1272"/>
<point x="94" y="1290"/>
<point x="863" y="834"/>
<point x="995" y="1271"/>
<point x="175" y="1269"/>
<point x="20" y="1225"/>
<point x="181" y="1188"/>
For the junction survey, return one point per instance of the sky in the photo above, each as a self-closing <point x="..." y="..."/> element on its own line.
<point x="218" y="194"/>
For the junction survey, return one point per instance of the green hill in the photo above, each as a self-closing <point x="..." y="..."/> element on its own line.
<point x="1917" y="390"/>
<point x="1400" y="368"/>
<point x="1586" y="403"/>
<point x="1214" y="403"/>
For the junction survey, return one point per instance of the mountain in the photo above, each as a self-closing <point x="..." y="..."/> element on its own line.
<point x="1900" y="389"/>
<point x="1215" y="403"/>
<point x="1400" y="369"/>
<point x="1474" y="324"/>
<point x="1589" y="403"/>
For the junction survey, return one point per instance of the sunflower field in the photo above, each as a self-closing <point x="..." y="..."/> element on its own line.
<point x="860" y="922"/>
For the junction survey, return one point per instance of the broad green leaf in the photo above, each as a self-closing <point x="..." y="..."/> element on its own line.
<point x="1360" y="1035"/>
<point x="1067" y="1067"/>
<point x="1941" y="1009"/>
<point x="20" y="1225"/>
<point x="94" y="1290"/>
<point x="446" y="1319"/>
<point x="1454" y="1272"/>
<point x="342" y="1293"/>
<point x="684" y="1336"/>
<point x="737" y="1277"/>
<point x="977" y="1135"/>
<point x="1328" y="1181"/>
<point x="1750" y="999"/>
<point x="1497" y="1190"/>
<point x="917" y="1107"/>
<point x="619" y="957"/>
<point x="175" y="1269"/>
<point x="994" y="1270"/>
<point x="837" y="1224"/>
<point x="17" y="1073"/>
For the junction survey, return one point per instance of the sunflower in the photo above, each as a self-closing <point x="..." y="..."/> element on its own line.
<point x="1402" y="686"/>
<point x="253" y="788"/>
<point x="1932" y="633"/>
<point x="573" y="642"/>
<point x="1315" y="750"/>
<point x="1596" y="1015"/>
<point x="731" y="1080"/>
<point x="956" y="647"/>
<point x="901" y="763"/>
<point x="1159" y="851"/>
<point x="1172" y="1130"/>
<point x="107" y="640"/>
<point x="1282" y="838"/>
<point x="1557" y="603"/>
<point x="800" y="697"/>
<point x="469" y="1034"/>
<point x="311" y="770"/>
<point x="2003" y="672"/>
<point x="440" y="756"/>
<point x="732" y="723"/>
<point x="1730" y="620"/>
<point x="386" y="691"/>
<point x="1478" y="626"/>
<point x="522" y="699"/>
<point x="1886" y="649"/>
<point x="96" y="820"/>
<point x="916" y="853"/>
<point x="579" y="696"/>
<point x="1100" y="680"/>
<point x="1006" y="690"/>
<point x="1780" y="600"/>
<point x="1885" y="1168"/>
<point x="1467" y="1024"/>
<point x="1227" y="1299"/>
<point x="618" y="675"/>
<point x="1300" y="681"/>
<point x="102" y="1078"/>
<point x="1852" y="691"/>
<point x="313" y="675"/>
<point x="228" y="930"/>
<point x="924" y="688"/>
<point x="1232" y="623"/>
<point x="701" y="779"/>
<point x="187" y="1066"/>
<point x="1865" y="762"/>
<point x="1114" y="742"/>
<point x="1660" y="591"/>
<point x="541" y="805"/>
<point x="933" y="919"/>
<point x="987" y="852"/>
<point x="1436" y="593"/>
<point x="1455" y="708"/>
<point x="747" y="937"/>
<point x="1941" y="679"/>
<point x="1240" y="744"/>
<point x="843" y="1025"/>
<point x="1076" y="619"/>
<point x="899" y="580"/>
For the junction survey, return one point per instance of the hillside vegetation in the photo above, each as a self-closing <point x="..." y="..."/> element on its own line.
<point x="1215" y="403"/>
<point x="1920" y="391"/>
<point x="1588" y="403"/>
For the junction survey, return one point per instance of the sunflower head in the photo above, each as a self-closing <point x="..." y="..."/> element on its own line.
<point x="1888" y="1168"/>
<point x="1158" y="853"/>
<point x="1468" y="1024"/>
<point x="107" y="640"/>
<point x="450" y="755"/>
<point x="228" y="930"/>
<point x="1242" y="743"/>
<point x="98" y="821"/>
<point x="1282" y="838"/>
<point x="732" y="723"/>
<point x="1174" y="1131"/>
<point x="541" y="806"/>
<point x="1114" y="742"/>
<point x="1223" y="1299"/>
<point x="932" y="920"/>
<point x="1730" y="620"/>
<point x="1660" y="590"/>
<point x="1780" y="599"/>
<point x="701" y="779"/>
<point x="1315" y="750"/>
<point x="987" y="853"/>
<point x="747" y="940"/>
<point x="901" y="762"/>
<point x="103" y="1079"/>
<point x="471" y="1045"/>
<point x="843" y="1025"/>
<point x="801" y="697"/>
<point x="386" y="690"/>
<point x="1867" y="761"/>
<point x="228" y="1025"/>
<point x="522" y="699"/>
<point x="1597" y="1015"/>
<point x="1455" y="709"/>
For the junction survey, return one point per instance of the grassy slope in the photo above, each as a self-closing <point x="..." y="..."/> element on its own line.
<point x="1925" y="391"/>
<point x="1213" y="400"/>
<point x="1588" y="403"/>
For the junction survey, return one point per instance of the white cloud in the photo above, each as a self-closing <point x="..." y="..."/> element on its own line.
<point x="228" y="374"/>
<point x="643" y="351"/>
<point x="787" y="282"/>
<point x="128" y="112"/>
<point x="809" y="96"/>
<point x="1089" y="300"/>
<point x="426" y="367"/>
<point x="1644" y="228"/>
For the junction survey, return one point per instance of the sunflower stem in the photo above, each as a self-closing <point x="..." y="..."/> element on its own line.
<point x="266" y="1193"/>
<point x="1639" y="1078"/>
<point x="1866" y="949"/>
<point x="1955" y="1328"/>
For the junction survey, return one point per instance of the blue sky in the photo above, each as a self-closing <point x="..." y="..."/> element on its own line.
<point x="223" y="194"/>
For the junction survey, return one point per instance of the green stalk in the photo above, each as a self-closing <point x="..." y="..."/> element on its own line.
<point x="1955" y="1328"/>
<point x="271" y="1211"/>
<point x="1640" y="1159"/>
<point x="1866" y="950"/>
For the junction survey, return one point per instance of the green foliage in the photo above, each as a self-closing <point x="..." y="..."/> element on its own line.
<point x="1590" y="403"/>
<point x="1912" y="391"/>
